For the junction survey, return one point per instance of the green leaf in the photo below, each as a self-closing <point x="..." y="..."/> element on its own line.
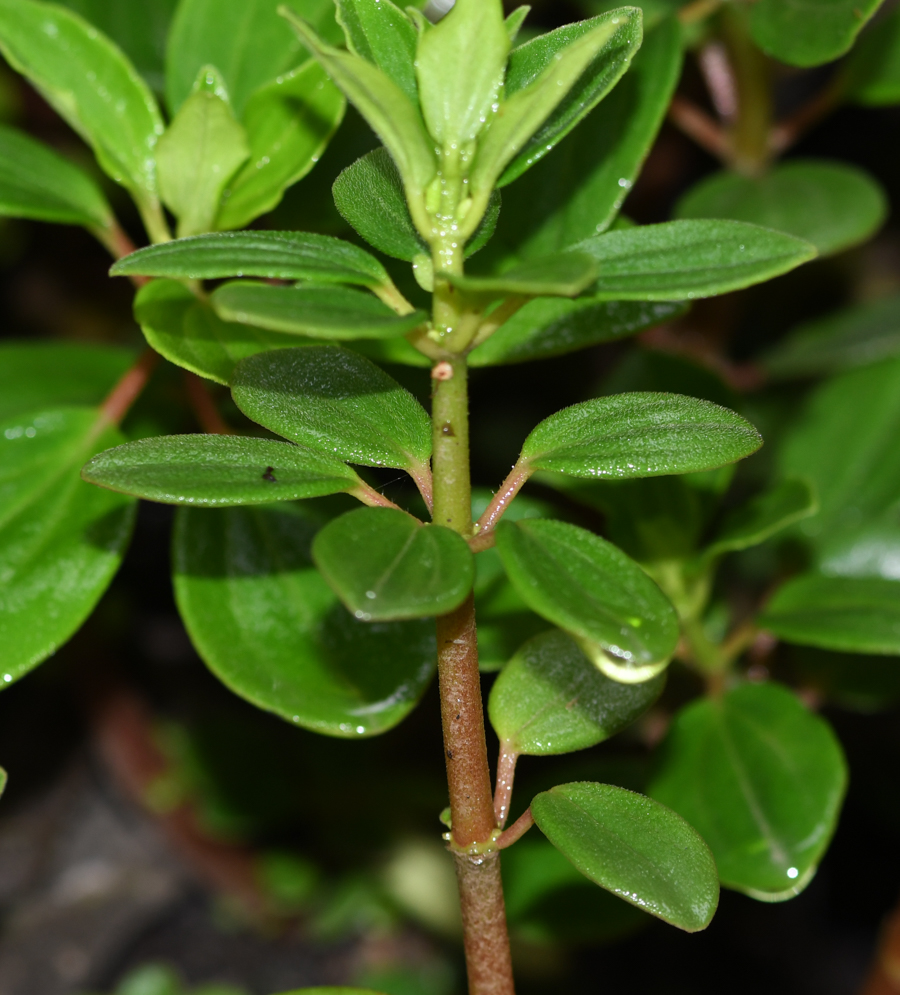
<point x="856" y="336"/>
<point x="761" y="780"/>
<point x="552" y="327"/>
<point x="270" y="628"/>
<point x="639" y="435"/>
<point x="386" y="566"/>
<point x="88" y="81"/>
<point x="872" y="70"/>
<point x="218" y="470"/>
<point x="809" y="32"/>
<point x="333" y="991"/>
<point x="684" y="260"/>
<point x="283" y="255"/>
<point x="565" y="274"/>
<point x="3" y="780"/>
<point x="552" y="83"/>
<point x="334" y="400"/>
<point x="829" y="204"/>
<point x="289" y="122"/>
<point x="635" y="848"/>
<point x="860" y="683"/>
<point x="583" y="584"/>
<point x="37" y="183"/>
<point x="54" y="374"/>
<point x="550" y="699"/>
<point x="789" y="502"/>
<point x="61" y="540"/>
<point x="380" y="32"/>
<point x="848" y="614"/>
<point x="199" y="153"/>
<point x="515" y="21"/>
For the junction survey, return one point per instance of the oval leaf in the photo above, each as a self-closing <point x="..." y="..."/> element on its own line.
<point x="385" y="565"/>
<point x="635" y="848"/>
<point x="808" y="34"/>
<point x="762" y="780"/>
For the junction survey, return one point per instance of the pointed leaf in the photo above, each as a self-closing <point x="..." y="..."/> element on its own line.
<point x="564" y="275"/>
<point x="218" y="470"/>
<point x="873" y="67"/>
<point x="809" y="32"/>
<point x="515" y="21"/>
<point x="321" y="310"/>
<point x="586" y="586"/>
<point x="762" y="780"/>
<point x="381" y="33"/>
<point x="550" y="699"/>
<point x="639" y="435"/>
<point x="635" y="848"/>
<point x="331" y="399"/>
<point x="269" y="627"/>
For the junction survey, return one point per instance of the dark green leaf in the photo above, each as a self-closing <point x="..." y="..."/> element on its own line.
<point x="61" y="540"/>
<point x="848" y="614"/>
<point x="218" y="470"/>
<point x="639" y="435"/>
<point x="684" y="260"/>
<point x="550" y="699"/>
<point x="269" y="627"/>
<point x="861" y="683"/>
<point x="809" y="32"/>
<point x="321" y="310"/>
<point x="635" y="848"/>
<point x="829" y="204"/>
<point x="585" y="585"/>
<point x="762" y="780"/>
<point x="385" y="565"/>
<point x="379" y="31"/>
<point x="873" y="67"/>
<point x="37" y="183"/>
<point x="331" y="399"/>
<point x="565" y="274"/>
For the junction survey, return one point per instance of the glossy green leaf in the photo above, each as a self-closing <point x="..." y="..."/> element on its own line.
<point x="848" y="614"/>
<point x="332" y="399"/>
<point x="321" y="310"/>
<point x="379" y="31"/>
<point x="684" y="260"/>
<point x="761" y="780"/>
<point x="61" y="540"/>
<point x="37" y="183"/>
<point x="200" y="151"/>
<point x="809" y="32"/>
<point x="591" y="589"/>
<point x="385" y="565"/>
<point x="552" y="83"/>
<point x="289" y="122"/>
<point x="789" y="502"/>
<point x="270" y="628"/>
<point x="283" y="255"/>
<point x="551" y="699"/>
<point x="552" y="327"/>
<point x="856" y="336"/>
<point x="872" y="70"/>
<point x="635" y="848"/>
<point x="829" y="204"/>
<point x="92" y="86"/>
<point x="36" y="375"/>
<point x="565" y="274"/>
<point x="639" y="435"/>
<point x="218" y="470"/>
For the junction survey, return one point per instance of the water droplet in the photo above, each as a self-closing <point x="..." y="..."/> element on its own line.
<point x="792" y="872"/>
<point x="360" y="729"/>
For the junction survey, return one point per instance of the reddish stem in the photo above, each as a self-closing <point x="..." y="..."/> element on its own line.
<point x="516" y="831"/>
<point x="506" y="772"/>
<point x="424" y="481"/>
<point x="118" y="243"/>
<point x="129" y="388"/>
<point x="699" y="126"/>
<point x="501" y="500"/>
<point x="488" y="960"/>
<point x="369" y="496"/>
<point x="204" y="407"/>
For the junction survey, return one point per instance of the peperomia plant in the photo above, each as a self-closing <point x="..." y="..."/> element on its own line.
<point x="334" y="619"/>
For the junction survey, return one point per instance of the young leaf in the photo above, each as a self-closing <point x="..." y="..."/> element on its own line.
<point x="218" y="470"/>
<point x="550" y="699"/>
<point x="762" y="780"/>
<point x="639" y="435"/>
<point x="321" y="310"/>
<point x="802" y="33"/>
<point x="684" y="260"/>
<point x="283" y="255"/>
<point x="331" y="399"/>
<point x="269" y="627"/>
<point x="200" y="151"/>
<point x="635" y="848"/>
<point x="872" y="70"/>
<point x="37" y="183"/>
<point x="61" y="540"/>
<point x="91" y="85"/>
<point x="515" y="21"/>
<point x="829" y="204"/>
<point x="552" y="83"/>
<point x="289" y="122"/>
<point x="565" y="274"/>
<point x="856" y="336"/>
<point x="385" y="565"/>
<point x="848" y="614"/>
<point x="379" y="31"/>
<point x="583" y="584"/>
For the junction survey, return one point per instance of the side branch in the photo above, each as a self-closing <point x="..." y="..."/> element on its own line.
<point x="508" y="490"/>
<point x="516" y="831"/>
<point x="506" y="772"/>
<point x="129" y="388"/>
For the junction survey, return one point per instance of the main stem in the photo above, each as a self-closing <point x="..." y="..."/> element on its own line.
<point x="488" y="961"/>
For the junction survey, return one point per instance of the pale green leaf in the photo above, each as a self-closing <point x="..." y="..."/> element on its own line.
<point x="381" y="33"/>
